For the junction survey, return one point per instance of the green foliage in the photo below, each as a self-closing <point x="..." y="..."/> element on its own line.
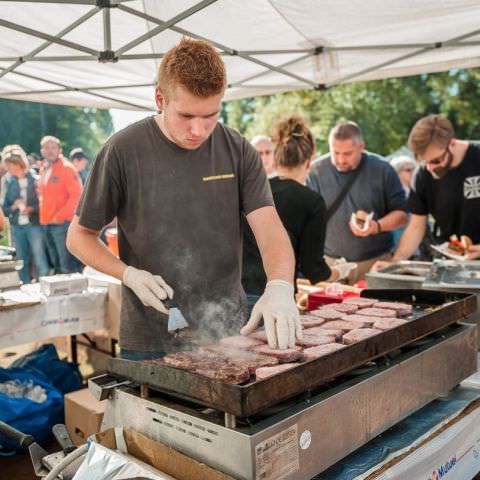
<point x="386" y="109"/>
<point x="26" y="123"/>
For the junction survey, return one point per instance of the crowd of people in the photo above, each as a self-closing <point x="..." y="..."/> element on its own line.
<point x="39" y="196"/>
<point x="429" y="196"/>
<point x="188" y="192"/>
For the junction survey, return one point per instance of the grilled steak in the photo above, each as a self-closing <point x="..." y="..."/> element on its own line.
<point x="312" y="340"/>
<point x="321" y="350"/>
<point x="344" y="325"/>
<point x="235" y="357"/>
<point x="402" y="309"/>
<point x="361" y="302"/>
<point x="342" y="307"/>
<point x="283" y="356"/>
<point x="240" y="341"/>
<point x="309" y="321"/>
<point x="265" y="372"/>
<point x="377" y="312"/>
<point x="387" y="323"/>
<point x="327" y="314"/>
<point x="181" y="360"/>
<point x="359" y="334"/>
<point x="233" y="374"/>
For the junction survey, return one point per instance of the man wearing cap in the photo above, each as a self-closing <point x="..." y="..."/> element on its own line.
<point x="80" y="161"/>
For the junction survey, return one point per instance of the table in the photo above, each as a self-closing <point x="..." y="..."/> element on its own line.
<point x="65" y="315"/>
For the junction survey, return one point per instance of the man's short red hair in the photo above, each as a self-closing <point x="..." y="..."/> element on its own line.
<point x="194" y="65"/>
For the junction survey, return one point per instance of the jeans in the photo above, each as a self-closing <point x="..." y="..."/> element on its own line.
<point x="62" y="260"/>
<point x="139" y="355"/>
<point x="30" y="240"/>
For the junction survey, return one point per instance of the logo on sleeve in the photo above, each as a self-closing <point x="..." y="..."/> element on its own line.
<point x="471" y="187"/>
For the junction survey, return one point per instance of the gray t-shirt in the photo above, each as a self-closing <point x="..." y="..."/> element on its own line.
<point x="179" y="216"/>
<point x="377" y="189"/>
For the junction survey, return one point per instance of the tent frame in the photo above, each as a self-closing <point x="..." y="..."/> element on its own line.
<point x="108" y="55"/>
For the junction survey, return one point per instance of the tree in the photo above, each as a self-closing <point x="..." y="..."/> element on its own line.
<point x="385" y="109"/>
<point x="25" y="123"/>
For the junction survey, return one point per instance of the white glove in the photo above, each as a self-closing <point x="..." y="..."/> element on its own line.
<point x="150" y="289"/>
<point x="280" y="315"/>
<point x="344" y="269"/>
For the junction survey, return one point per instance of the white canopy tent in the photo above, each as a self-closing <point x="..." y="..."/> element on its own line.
<point x="105" y="53"/>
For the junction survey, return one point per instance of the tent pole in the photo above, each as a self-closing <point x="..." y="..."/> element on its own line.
<point x="165" y="25"/>
<point x="45" y="36"/>
<point x="228" y="50"/>
<point x="447" y="43"/>
<point x="43" y="46"/>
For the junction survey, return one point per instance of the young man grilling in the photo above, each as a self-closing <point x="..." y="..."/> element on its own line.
<point x="178" y="183"/>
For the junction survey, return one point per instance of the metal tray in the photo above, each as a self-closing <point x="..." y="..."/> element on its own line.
<point x="464" y="276"/>
<point x="433" y="311"/>
<point x="403" y="274"/>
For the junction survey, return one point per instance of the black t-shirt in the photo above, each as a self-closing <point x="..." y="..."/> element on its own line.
<point x="302" y="212"/>
<point x="453" y="201"/>
<point x="179" y="216"/>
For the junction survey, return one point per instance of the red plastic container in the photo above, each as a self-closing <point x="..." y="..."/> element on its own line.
<point x="318" y="299"/>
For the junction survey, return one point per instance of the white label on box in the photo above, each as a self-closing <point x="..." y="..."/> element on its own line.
<point x="305" y="439"/>
<point x="278" y="456"/>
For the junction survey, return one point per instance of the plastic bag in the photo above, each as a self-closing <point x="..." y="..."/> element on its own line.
<point x="101" y="463"/>
<point x="63" y="375"/>
<point x="28" y="416"/>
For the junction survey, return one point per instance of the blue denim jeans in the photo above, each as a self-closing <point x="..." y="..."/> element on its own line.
<point x="138" y="355"/>
<point x="30" y="241"/>
<point x="62" y="260"/>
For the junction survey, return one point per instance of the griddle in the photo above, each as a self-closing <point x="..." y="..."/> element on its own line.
<point x="433" y="311"/>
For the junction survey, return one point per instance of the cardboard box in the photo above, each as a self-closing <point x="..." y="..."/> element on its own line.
<point x="163" y="458"/>
<point x="83" y="415"/>
<point x="63" y="284"/>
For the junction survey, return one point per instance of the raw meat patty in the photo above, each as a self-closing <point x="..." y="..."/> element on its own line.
<point x="316" y="352"/>
<point x="361" y="318"/>
<point x="361" y="302"/>
<point x="324" y="330"/>
<point x="402" y="309"/>
<point x="309" y="321"/>
<point x="360" y="334"/>
<point x="327" y="314"/>
<point x="342" y="307"/>
<point x="312" y="340"/>
<point x="265" y="372"/>
<point x="387" y="323"/>
<point x="377" y="312"/>
<point x="240" y="341"/>
<point x="283" y="356"/>
<point x="259" y="335"/>
<point x="344" y="325"/>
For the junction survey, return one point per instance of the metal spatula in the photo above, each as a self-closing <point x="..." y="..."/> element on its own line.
<point x="176" y="320"/>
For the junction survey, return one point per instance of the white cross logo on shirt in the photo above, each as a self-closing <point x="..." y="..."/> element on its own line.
<point x="471" y="187"/>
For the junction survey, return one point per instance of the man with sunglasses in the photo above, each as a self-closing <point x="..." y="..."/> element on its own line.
<point x="446" y="186"/>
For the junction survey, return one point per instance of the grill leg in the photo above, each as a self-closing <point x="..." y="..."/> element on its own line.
<point x="230" y="420"/>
